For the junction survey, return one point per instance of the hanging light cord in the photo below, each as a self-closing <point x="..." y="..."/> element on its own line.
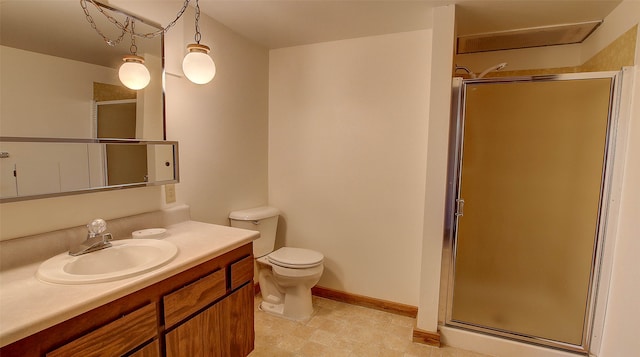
<point x="197" y="36"/>
<point x="109" y="41"/>
<point x="133" y="49"/>
<point x="126" y="28"/>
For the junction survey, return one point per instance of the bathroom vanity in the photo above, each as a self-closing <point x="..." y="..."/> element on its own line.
<point x="200" y="303"/>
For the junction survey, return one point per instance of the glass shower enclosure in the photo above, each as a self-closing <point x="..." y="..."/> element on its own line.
<point x="528" y="166"/>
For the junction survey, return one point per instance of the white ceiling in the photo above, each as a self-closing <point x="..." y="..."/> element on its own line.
<point x="284" y="23"/>
<point x="277" y="23"/>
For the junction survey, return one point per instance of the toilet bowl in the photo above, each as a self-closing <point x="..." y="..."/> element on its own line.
<point x="286" y="275"/>
<point x="286" y="290"/>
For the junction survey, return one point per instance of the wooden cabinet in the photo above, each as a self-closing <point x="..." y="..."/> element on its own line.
<point x="239" y="321"/>
<point x="240" y="272"/>
<point x="193" y="297"/>
<point x="116" y="338"/>
<point x="150" y="350"/>
<point x="224" y="329"/>
<point x="204" y="311"/>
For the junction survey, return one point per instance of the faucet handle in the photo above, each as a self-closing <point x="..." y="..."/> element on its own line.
<point x="106" y="238"/>
<point x="96" y="227"/>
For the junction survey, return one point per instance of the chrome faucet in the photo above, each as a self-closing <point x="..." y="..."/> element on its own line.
<point x="96" y="240"/>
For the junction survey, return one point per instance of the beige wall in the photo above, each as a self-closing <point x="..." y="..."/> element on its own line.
<point x="347" y="154"/>
<point x="37" y="216"/>
<point x="221" y="126"/>
<point x="436" y="170"/>
<point x="619" y="53"/>
<point x="622" y="321"/>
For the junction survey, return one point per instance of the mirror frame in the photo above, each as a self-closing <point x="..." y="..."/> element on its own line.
<point x="176" y="171"/>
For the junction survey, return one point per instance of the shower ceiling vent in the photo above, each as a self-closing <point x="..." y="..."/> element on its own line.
<point x="529" y="37"/>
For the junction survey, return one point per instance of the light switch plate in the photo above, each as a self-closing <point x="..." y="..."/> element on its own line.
<point x="170" y="193"/>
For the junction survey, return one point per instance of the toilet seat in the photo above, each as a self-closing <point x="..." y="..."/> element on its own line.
<point x="297" y="258"/>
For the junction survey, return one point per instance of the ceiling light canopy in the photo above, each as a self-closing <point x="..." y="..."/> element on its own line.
<point x="197" y="65"/>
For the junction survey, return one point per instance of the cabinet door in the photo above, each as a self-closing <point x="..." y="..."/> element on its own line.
<point x="193" y="297"/>
<point x="198" y="336"/>
<point x="224" y="329"/>
<point x="240" y="272"/>
<point x="150" y="350"/>
<point x="116" y="338"/>
<point x="238" y="322"/>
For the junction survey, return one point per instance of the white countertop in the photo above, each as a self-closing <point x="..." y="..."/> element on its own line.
<point x="28" y="305"/>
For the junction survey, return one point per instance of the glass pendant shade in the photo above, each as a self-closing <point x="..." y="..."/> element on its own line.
<point x="133" y="74"/>
<point x="197" y="65"/>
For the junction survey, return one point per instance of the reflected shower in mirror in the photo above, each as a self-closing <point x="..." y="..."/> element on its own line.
<point x="55" y="69"/>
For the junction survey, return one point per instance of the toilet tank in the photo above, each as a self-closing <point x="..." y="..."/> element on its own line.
<point x="262" y="219"/>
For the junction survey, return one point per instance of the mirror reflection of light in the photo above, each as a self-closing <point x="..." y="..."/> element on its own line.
<point x="133" y="73"/>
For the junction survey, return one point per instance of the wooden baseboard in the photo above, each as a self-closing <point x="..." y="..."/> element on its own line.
<point x="354" y="299"/>
<point x="365" y="301"/>
<point x="426" y="337"/>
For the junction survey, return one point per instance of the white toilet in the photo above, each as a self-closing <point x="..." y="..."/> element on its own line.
<point x="287" y="275"/>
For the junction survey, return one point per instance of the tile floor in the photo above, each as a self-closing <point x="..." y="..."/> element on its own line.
<point x="337" y="329"/>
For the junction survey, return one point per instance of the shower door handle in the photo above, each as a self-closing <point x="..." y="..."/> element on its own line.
<point x="459" y="207"/>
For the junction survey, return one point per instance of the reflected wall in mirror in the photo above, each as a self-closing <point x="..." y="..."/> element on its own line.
<point x="67" y="124"/>
<point x="44" y="168"/>
<point x="55" y="67"/>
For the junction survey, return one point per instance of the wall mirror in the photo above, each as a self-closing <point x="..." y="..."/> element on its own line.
<point x="61" y="98"/>
<point x="38" y="168"/>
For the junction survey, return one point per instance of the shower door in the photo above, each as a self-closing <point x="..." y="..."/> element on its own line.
<point x="526" y="206"/>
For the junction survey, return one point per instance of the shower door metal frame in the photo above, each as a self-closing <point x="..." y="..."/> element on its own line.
<point x="602" y="253"/>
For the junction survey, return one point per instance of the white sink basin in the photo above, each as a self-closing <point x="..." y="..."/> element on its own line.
<point x="126" y="258"/>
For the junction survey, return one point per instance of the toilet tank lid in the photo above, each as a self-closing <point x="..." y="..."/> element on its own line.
<point x="254" y="214"/>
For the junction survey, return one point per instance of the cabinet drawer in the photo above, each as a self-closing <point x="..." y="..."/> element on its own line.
<point x="115" y="338"/>
<point x="194" y="297"/>
<point x="241" y="272"/>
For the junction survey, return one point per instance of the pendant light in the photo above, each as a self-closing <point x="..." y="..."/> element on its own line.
<point x="133" y="73"/>
<point x="197" y="65"/>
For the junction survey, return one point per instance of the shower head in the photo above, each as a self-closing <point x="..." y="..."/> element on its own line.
<point x="471" y="74"/>
<point x="501" y="66"/>
<point x="497" y="67"/>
